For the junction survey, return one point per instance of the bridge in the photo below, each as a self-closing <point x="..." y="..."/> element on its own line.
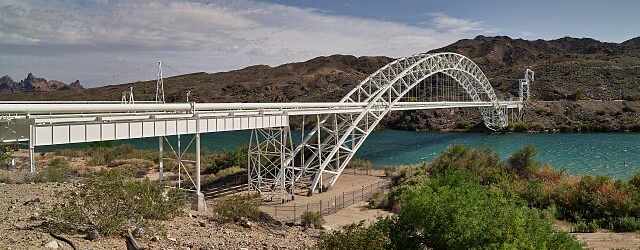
<point x="333" y="131"/>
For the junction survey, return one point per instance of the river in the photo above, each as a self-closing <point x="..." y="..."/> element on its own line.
<point x="610" y="154"/>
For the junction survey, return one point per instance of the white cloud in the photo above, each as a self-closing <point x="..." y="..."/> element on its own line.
<point x="447" y="23"/>
<point x="86" y="37"/>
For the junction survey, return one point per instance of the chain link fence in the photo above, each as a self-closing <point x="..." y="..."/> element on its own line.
<point x="294" y="213"/>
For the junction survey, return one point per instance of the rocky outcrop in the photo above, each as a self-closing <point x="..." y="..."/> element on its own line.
<point x="35" y="84"/>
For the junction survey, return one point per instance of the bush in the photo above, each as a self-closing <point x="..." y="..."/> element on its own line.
<point x="106" y="154"/>
<point x="134" y="167"/>
<point x="57" y="170"/>
<point x="5" y="154"/>
<point x="111" y="201"/>
<point x="215" y="162"/>
<point x="312" y="219"/>
<point x="234" y="207"/>
<point x="584" y="227"/>
<point x="623" y="224"/>
<point x="594" y="198"/>
<point x="453" y="211"/>
<point x="379" y="200"/>
<point x="484" y="163"/>
<point x="522" y="161"/>
<point x="358" y="237"/>
<point x="518" y="126"/>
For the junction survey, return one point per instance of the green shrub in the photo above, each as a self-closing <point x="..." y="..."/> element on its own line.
<point x="623" y="224"/>
<point x="483" y="163"/>
<point x="635" y="181"/>
<point x="535" y="195"/>
<point x="234" y="207"/>
<point x="519" y="126"/>
<point x="584" y="227"/>
<point x="453" y="211"/>
<point x="379" y="200"/>
<point x="5" y="154"/>
<point x="312" y="219"/>
<point x="358" y="237"/>
<point x="522" y="161"/>
<point x="215" y="162"/>
<point x="134" y="167"/>
<point x="57" y="170"/>
<point x="100" y="155"/>
<point x="111" y="201"/>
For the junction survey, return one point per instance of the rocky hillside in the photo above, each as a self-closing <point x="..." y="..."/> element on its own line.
<point x="33" y="84"/>
<point x="567" y="69"/>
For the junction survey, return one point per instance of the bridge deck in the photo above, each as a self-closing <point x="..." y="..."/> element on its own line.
<point x="68" y="122"/>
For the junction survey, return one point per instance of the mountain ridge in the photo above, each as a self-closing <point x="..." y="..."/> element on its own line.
<point x="567" y="70"/>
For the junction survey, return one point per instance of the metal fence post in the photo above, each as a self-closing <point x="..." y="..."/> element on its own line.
<point x="294" y="213"/>
<point x="353" y="197"/>
<point x="276" y="212"/>
<point x="320" y="207"/>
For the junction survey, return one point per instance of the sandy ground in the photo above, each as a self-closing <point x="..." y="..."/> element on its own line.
<point x="607" y="240"/>
<point x="345" y="184"/>
<point x="354" y="214"/>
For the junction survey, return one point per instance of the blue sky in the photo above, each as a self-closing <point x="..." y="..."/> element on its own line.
<point x="613" y="21"/>
<point x="113" y="41"/>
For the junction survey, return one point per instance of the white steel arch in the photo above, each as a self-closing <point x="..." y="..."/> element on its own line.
<point x="345" y="133"/>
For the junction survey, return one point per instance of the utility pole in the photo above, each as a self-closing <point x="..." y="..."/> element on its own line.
<point x="160" y="85"/>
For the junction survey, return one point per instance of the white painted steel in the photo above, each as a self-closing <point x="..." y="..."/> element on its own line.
<point x="341" y="127"/>
<point x="49" y="133"/>
<point x="330" y="154"/>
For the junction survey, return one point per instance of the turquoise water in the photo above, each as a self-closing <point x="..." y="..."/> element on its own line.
<point x="611" y="154"/>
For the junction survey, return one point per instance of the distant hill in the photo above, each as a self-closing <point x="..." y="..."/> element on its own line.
<point x="33" y="84"/>
<point x="566" y="69"/>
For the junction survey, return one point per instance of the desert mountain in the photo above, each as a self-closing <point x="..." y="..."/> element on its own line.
<point x="566" y="69"/>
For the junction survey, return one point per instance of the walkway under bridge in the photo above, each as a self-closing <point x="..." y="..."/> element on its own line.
<point x="276" y="165"/>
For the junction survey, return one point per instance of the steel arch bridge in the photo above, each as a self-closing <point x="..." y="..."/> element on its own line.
<point x="326" y="150"/>
<point x="277" y="166"/>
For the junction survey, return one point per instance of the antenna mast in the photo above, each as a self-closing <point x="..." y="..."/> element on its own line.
<point x="160" y="85"/>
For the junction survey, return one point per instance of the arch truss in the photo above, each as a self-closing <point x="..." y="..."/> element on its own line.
<point x="326" y="149"/>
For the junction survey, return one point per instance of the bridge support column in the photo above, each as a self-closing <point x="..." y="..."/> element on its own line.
<point x="267" y="172"/>
<point x="160" y="158"/>
<point x="32" y="163"/>
<point x="188" y="169"/>
<point x="201" y="205"/>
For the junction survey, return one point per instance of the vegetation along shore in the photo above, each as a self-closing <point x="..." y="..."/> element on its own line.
<point x="466" y="197"/>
